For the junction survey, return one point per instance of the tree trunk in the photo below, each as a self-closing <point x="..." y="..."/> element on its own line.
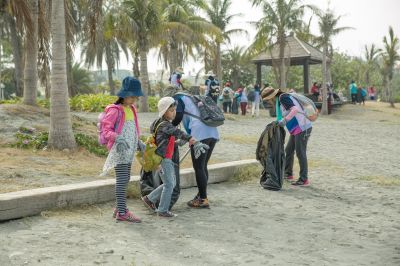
<point x="219" y="62"/>
<point x="110" y="69"/>
<point x="324" y="110"/>
<point x="367" y="78"/>
<point x="31" y="57"/>
<point x="173" y="58"/>
<point x="70" y="78"/>
<point x="144" y="79"/>
<point x="16" y="46"/>
<point x="282" y="67"/>
<point x="60" y="135"/>
<point x="390" y="93"/>
<point x="1" y="89"/>
<point x="136" y="72"/>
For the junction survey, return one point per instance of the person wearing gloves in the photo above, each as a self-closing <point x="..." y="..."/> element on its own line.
<point x="165" y="136"/>
<point x="121" y="131"/>
<point x="289" y="114"/>
<point x="201" y="151"/>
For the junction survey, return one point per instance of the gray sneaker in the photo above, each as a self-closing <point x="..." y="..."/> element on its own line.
<point x="166" y="214"/>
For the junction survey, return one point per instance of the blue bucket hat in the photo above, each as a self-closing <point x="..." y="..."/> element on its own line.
<point x="130" y="87"/>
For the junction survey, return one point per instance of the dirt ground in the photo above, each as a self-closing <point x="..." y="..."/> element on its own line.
<point x="348" y="216"/>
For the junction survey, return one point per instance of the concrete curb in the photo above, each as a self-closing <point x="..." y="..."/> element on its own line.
<point x="32" y="202"/>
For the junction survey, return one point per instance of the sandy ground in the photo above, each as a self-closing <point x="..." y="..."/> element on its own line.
<point x="348" y="216"/>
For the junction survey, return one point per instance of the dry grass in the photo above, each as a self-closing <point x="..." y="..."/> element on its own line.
<point x="241" y="139"/>
<point x="247" y="174"/>
<point x="382" y="180"/>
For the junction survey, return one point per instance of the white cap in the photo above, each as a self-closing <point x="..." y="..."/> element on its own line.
<point x="163" y="105"/>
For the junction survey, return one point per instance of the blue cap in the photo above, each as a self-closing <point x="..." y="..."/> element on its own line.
<point x="130" y="87"/>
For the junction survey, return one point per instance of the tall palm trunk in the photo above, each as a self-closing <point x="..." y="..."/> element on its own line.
<point x="390" y="92"/>
<point x="136" y="59"/>
<point x="31" y="57"/>
<point x="144" y="79"/>
<point x="70" y="78"/>
<point x="219" y="62"/>
<point x="173" y="57"/>
<point x="16" y="46"/>
<point x="110" y="68"/>
<point x="60" y="135"/>
<point x="282" y="67"/>
<point x="324" y="110"/>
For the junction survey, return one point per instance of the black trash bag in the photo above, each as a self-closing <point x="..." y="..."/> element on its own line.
<point x="271" y="154"/>
<point x="235" y="106"/>
<point x="151" y="180"/>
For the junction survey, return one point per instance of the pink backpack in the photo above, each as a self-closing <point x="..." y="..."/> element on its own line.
<point x="102" y="139"/>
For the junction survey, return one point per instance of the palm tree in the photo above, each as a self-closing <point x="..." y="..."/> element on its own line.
<point x="218" y="14"/>
<point x="184" y="31"/>
<point x="371" y="57"/>
<point x="280" y="18"/>
<point x="328" y="28"/>
<point x="31" y="56"/>
<point x="107" y="45"/>
<point x="60" y="135"/>
<point x="17" y="21"/>
<point x="390" y="57"/>
<point x="82" y="79"/>
<point x="144" y="23"/>
<point x="234" y="59"/>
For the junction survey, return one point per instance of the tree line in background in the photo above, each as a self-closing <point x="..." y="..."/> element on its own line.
<point x="178" y="30"/>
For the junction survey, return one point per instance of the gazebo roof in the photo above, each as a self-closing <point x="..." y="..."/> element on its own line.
<point x="298" y="51"/>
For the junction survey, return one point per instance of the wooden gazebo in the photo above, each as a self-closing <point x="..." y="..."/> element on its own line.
<point x="300" y="53"/>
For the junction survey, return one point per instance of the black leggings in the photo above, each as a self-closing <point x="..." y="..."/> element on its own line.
<point x="200" y="167"/>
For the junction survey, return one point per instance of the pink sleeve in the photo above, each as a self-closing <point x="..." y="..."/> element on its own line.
<point x="109" y="124"/>
<point x="292" y="113"/>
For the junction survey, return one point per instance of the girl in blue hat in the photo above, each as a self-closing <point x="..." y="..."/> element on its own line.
<point x="121" y="131"/>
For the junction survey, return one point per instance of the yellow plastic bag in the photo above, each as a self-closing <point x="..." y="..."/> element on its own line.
<point x="148" y="159"/>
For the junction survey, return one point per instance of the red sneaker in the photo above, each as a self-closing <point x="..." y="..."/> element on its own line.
<point x="302" y="183"/>
<point x="128" y="217"/>
<point x="290" y="177"/>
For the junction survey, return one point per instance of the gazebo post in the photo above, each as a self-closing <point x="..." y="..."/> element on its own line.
<point x="306" y="75"/>
<point x="259" y="73"/>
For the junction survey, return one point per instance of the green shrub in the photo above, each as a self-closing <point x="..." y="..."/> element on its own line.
<point x="44" y="103"/>
<point x="91" y="144"/>
<point x="91" y="102"/>
<point x="30" y="138"/>
<point x="153" y="101"/>
<point x="397" y="99"/>
<point x="11" y="101"/>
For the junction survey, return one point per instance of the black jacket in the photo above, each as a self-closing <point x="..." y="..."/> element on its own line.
<point x="164" y="131"/>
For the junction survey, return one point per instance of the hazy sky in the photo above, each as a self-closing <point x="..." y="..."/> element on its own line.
<point x="369" y="18"/>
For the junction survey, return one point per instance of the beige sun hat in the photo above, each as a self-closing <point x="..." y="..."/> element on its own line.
<point x="163" y="105"/>
<point x="179" y="70"/>
<point x="210" y="73"/>
<point x="269" y="93"/>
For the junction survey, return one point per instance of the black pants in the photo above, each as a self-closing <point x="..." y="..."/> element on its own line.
<point x="353" y="98"/>
<point x="297" y="143"/>
<point x="200" y="167"/>
<point x="227" y="106"/>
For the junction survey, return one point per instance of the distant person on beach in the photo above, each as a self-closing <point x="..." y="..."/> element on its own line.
<point x="315" y="91"/>
<point x="175" y="79"/>
<point x="227" y="96"/>
<point x="212" y="86"/>
<point x="353" y="92"/>
<point x="363" y="95"/>
<point x="372" y="93"/>
<point x="243" y="100"/>
<point x="289" y="114"/>
<point x="121" y="131"/>
<point x="255" y="109"/>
